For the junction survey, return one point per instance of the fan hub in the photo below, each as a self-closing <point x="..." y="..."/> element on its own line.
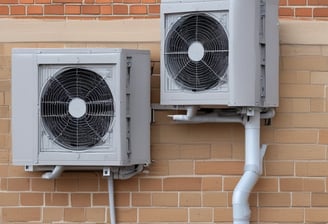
<point x="196" y="51"/>
<point x="77" y="107"/>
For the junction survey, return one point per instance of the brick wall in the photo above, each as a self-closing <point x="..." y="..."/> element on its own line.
<point x="195" y="167"/>
<point x="79" y="9"/>
<point x="304" y="9"/>
<point x="117" y="9"/>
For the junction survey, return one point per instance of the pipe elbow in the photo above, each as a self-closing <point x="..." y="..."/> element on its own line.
<point x="56" y="172"/>
<point x="241" y="210"/>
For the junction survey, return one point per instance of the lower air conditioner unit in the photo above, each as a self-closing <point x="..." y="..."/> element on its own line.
<point x="219" y="52"/>
<point x="80" y="107"/>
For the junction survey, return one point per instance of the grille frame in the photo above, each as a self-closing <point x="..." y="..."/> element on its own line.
<point x="197" y="75"/>
<point x="87" y="131"/>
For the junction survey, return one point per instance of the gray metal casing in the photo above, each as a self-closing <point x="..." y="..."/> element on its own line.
<point x="253" y="67"/>
<point x="131" y="102"/>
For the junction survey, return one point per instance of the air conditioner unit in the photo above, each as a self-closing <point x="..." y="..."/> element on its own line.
<point x="80" y="107"/>
<point x="219" y="52"/>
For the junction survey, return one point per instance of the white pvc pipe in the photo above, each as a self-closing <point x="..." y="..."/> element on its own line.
<point x="252" y="171"/>
<point x="111" y="199"/>
<point x="56" y="172"/>
<point x="192" y="117"/>
<point x="253" y="154"/>
<point x="252" y="142"/>
<point x="191" y="112"/>
<point x="241" y="210"/>
<point x="207" y="119"/>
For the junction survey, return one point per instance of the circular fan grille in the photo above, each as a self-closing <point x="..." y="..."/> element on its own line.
<point x="77" y="108"/>
<point x="196" y="52"/>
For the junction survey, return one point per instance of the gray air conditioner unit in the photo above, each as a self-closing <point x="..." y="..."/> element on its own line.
<point x="80" y="107"/>
<point x="219" y="52"/>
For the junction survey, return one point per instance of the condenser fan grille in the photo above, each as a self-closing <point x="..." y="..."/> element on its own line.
<point x="77" y="108"/>
<point x="196" y="52"/>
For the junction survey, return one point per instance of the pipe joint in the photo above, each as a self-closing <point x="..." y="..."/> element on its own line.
<point x="252" y="168"/>
<point x="191" y="112"/>
<point x="242" y="214"/>
<point x="56" y="172"/>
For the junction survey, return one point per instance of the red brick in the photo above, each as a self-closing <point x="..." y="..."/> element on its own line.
<point x="320" y="12"/>
<point x="90" y="9"/>
<point x="17" y="10"/>
<point x="81" y="200"/>
<point x="153" y="215"/>
<point x="23" y="214"/>
<point x="34" y="10"/>
<point x="56" y="199"/>
<point x="100" y="199"/>
<point x="151" y="184"/>
<point x="54" y="10"/>
<point x="42" y="1"/>
<point x="67" y="1"/>
<point x="286" y="12"/>
<point x="75" y="215"/>
<point x="104" y="1"/>
<point x="26" y="1"/>
<point x="303" y="12"/>
<point x="282" y="2"/>
<point x="296" y="2"/>
<point x="138" y="9"/>
<point x="8" y="1"/>
<point x="72" y="9"/>
<point x="18" y="184"/>
<point x="106" y="9"/>
<point x="154" y="9"/>
<point x="126" y="215"/>
<point x="318" y="2"/>
<point x="31" y="199"/>
<point x="53" y="214"/>
<point x="120" y="9"/>
<point x="182" y="184"/>
<point x="4" y="10"/>
<point x="219" y="167"/>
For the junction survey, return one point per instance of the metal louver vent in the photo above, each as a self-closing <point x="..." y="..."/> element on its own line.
<point x="196" y="52"/>
<point x="77" y="108"/>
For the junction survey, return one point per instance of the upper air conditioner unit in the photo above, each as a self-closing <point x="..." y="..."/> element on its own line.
<point x="80" y="107"/>
<point x="219" y="52"/>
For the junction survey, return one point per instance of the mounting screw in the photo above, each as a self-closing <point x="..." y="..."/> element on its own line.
<point x="28" y="168"/>
<point x="250" y="111"/>
<point x="106" y="172"/>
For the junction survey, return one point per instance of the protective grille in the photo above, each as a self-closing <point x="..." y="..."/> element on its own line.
<point x="77" y="108"/>
<point x="196" y="52"/>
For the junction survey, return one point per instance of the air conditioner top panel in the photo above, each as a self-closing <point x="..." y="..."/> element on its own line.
<point x="175" y="6"/>
<point x="74" y="50"/>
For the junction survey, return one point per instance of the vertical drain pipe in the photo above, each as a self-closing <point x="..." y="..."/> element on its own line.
<point x="253" y="154"/>
<point x="252" y="170"/>
<point x="111" y="199"/>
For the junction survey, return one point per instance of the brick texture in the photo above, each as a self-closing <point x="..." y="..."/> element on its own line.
<point x="111" y="9"/>
<point x="195" y="168"/>
<point x="78" y="9"/>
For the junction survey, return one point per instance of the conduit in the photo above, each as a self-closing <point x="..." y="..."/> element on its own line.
<point x="250" y="118"/>
<point x="111" y="199"/>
